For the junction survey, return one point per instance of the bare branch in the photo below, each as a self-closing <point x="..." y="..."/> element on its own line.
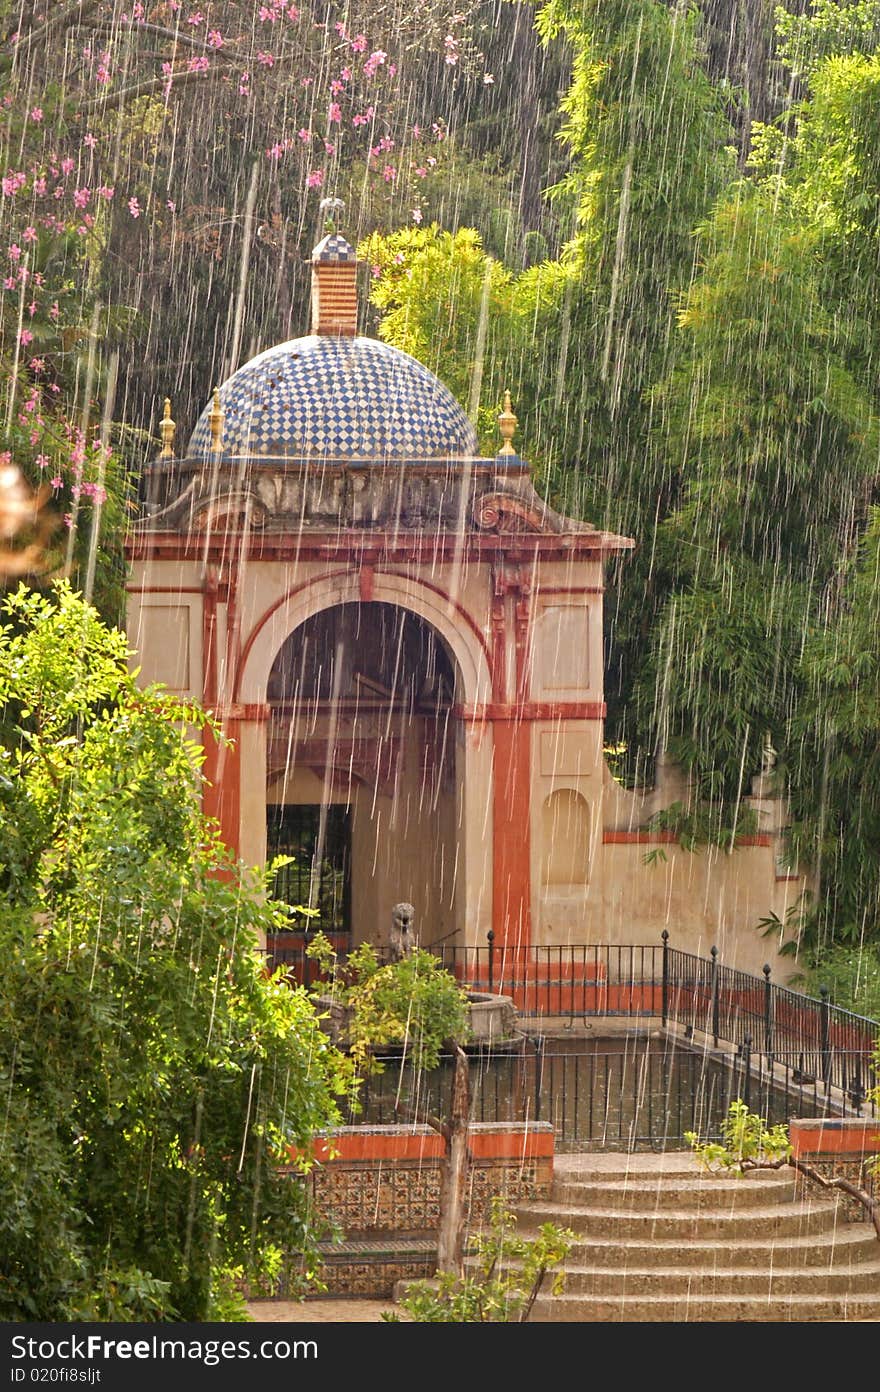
<point x="150" y="86"/>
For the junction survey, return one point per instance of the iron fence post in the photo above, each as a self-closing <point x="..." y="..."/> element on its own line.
<point x="539" y="1074"/>
<point x="714" y="980"/>
<point x="768" y="1014"/>
<point x="664" y="997"/>
<point x="825" y="1045"/>
<point x="747" y="1070"/>
<point x="490" y="938"/>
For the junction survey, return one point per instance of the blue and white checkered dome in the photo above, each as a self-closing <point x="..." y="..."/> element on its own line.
<point x="332" y="397"/>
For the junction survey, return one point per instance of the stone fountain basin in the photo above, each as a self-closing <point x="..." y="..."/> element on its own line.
<point x="492" y="1018"/>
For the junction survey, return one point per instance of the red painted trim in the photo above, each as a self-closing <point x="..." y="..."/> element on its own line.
<point x="256" y="711"/>
<point x="228" y="787"/>
<point x="853" y="1136"/>
<point x="541" y="590"/>
<point x="164" y="589"/>
<point x="666" y="838"/>
<point x="211" y="797"/>
<point x="389" y="546"/>
<point x="484" y="1144"/>
<point x="511" y="834"/>
<point x="531" y="710"/>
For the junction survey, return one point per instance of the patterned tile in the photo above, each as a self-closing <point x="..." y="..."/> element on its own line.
<point x="335" y="398"/>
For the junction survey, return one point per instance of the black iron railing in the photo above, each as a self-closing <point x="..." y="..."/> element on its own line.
<point x="808" y="1041"/>
<point x="625" y="1094"/>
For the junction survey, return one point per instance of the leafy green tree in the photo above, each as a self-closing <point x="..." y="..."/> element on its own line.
<point x="154" y="1077"/>
<point x="502" y="1282"/>
<point x="748" y="1144"/>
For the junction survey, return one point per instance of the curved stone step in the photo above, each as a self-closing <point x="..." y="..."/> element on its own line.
<point x="682" y="1309"/>
<point x="778" y="1220"/>
<point x="703" y="1193"/>
<point x="862" y="1278"/>
<point x="848" y="1244"/>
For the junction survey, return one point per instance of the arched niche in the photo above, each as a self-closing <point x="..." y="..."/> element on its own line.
<point x="565" y="840"/>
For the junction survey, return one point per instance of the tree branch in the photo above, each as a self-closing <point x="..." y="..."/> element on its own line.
<point x="64" y="18"/>
<point x="149" y="86"/>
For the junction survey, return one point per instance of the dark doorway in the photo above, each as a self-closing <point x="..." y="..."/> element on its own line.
<point x="319" y="876"/>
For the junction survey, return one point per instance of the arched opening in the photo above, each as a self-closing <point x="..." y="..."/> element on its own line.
<point x="361" y="771"/>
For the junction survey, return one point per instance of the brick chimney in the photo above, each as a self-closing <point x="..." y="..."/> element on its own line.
<point x="334" y="287"/>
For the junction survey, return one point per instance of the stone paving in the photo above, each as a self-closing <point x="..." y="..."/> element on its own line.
<point x="319" y="1311"/>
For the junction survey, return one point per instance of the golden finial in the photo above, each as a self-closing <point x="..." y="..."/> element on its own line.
<point x="507" y="423"/>
<point x="216" y="422"/>
<point x="166" y="430"/>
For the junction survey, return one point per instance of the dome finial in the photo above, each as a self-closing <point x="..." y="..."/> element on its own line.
<point x="216" y="422"/>
<point x="332" y="208"/>
<point x="166" y="430"/>
<point x="507" y="423"/>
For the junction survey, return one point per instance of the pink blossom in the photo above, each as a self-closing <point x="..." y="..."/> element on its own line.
<point x="58" y="192"/>
<point x="9" y="283"/>
<point x="81" y="197"/>
<point x="32" y="308"/>
<point x="14" y="251"/>
<point x="56" y="481"/>
<point x="215" y="38"/>
<point x="374" y="61"/>
<point x="137" y="11"/>
<point x="67" y="165"/>
<point x="134" y="207"/>
<point x="39" y="187"/>
<point x="304" y="135"/>
<point x="389" y="173"/>
<point x="422" y="172"/>
<point x="335" y="112"/>
<point x="195" y="18"/>
<point x="487" y="79"/>
<point x="13" y="182"/>
<point x="171" y="205"/>
<point x="417" y="132"/>
<point x="340" y="28"/>
<point x="359" y="43"/>
<point x="198" y="63"/>
<point x="275" y="151"/>
<point x="90" y="141"/>
<point x="416" y="214"/>
<point x="105" y="192"/>
<point x="37" y="364"/>
<point x="42" y="461"/>
<point x="329" y="147"/>
<point x="36" y="114"/>
<point x="315" y="178"/>
<point x="345" y="74"/>
<point x="306" y="81"/>
<point x="375" y="272"/>
<point x="103" y="74"/>
<point x="25" y="337"/>
<point x="266" y="59"/>
<point x="336" y="87"/>
<point x="392" y="69"/>
<point x="174" y="4"/>
<point x="243" y="89"/>
<point x="293" y="13"/>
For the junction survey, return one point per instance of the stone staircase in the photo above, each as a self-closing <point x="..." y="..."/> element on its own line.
<point x="659" y="1240"/>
